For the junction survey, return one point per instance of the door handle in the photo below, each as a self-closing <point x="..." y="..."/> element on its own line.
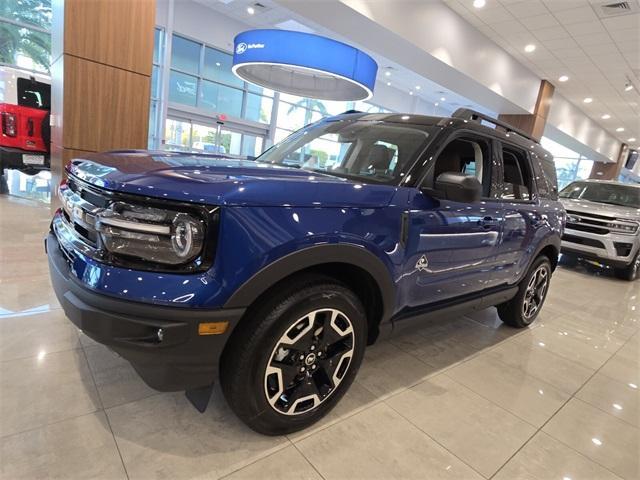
<point x="488" y="222"/>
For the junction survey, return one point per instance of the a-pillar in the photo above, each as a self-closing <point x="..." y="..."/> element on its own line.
<point x="101" y="77"/>
<point x="534" y="123"/>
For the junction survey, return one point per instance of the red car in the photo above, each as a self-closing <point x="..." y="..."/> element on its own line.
<point x="25" y="133"/>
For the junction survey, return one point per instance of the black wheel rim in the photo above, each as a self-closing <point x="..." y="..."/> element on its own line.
<point x="536" y="292"/>
<point x="309" y="361"/>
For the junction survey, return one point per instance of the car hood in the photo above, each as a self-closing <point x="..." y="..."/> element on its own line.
<point x="613" y="211"/>
<point x="217" y="180"/>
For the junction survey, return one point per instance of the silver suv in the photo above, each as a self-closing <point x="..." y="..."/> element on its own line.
<point x="603" y="224"/>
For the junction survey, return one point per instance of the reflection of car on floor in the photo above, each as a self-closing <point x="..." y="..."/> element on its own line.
<point x="274" y="274"/>
<point x="603" y="224"/>
<point x="25" y="102"/>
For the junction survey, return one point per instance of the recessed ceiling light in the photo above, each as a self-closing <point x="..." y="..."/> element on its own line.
<point x="251" y="10"/>
<point x="436" y="104"/>
<point x="606" y="116"/>
<point x="217" y="64"/>
<point x="387" y="73"/>
<point x="530" y="48"/>
<point x="632" y="139"/>
<point x="588" y="100"/>
<point x="410" y="93"/>
<point x="563" y="78"/>
<point x="628" y="87"/>
<point x="388" y="84"/>
<point x="418" y="87"/>
<point x="442" y="99"/>
<point x="479" y="3"/>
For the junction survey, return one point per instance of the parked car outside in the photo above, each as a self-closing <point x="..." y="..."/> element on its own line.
<point x="273" y="275"/>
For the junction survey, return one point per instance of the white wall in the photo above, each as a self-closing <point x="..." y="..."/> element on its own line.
<point x="201" y="23"/>
<point x="568" y="125"/>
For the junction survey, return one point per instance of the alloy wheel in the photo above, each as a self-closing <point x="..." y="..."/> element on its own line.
<point x="536" y="292"/>
<point x="309" y="361"/>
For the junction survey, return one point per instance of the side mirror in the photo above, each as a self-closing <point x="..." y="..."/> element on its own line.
<point x="458" y="187"/>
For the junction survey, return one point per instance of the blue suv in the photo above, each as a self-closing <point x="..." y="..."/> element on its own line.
<point x="273" y="275"/>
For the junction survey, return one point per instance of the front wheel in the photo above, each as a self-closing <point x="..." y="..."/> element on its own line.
<point x="291" y="361"/>
<point x="523" y="309"/>
<point x="631" y="271"/>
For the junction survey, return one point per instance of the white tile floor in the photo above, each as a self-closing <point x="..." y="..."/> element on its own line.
<point x="463" y="398"/>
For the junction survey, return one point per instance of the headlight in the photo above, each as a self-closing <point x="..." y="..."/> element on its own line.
<point x="619" y="227"/>
<point x="149" y="233"/>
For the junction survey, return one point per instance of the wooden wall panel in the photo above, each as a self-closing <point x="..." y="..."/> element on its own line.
<point x="112" y="32"/>
<point x="105" y="108"/>
<point x="534" y="123"/>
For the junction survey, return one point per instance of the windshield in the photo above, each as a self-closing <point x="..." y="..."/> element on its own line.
<point x="370" y="151"/>
<point x="623" y="195"/>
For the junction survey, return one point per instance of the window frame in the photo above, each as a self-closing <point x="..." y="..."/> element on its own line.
<point x="501" y="144"/>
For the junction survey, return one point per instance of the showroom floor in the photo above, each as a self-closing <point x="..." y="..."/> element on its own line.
<point x="463" y="398"/>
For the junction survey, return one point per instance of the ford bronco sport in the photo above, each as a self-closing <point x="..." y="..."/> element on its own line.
<point x="603" y="224"/>
<point x="273" y="275"/>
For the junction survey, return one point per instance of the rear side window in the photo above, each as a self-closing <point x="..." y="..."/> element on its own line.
<point x="34" y="94"/>
<point x="517" y="179"/>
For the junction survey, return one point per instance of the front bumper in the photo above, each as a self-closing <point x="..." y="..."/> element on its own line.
<point x="617" y="250"/>
<point x="177" y="359"/>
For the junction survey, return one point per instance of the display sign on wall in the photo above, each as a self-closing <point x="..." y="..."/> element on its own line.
<point x="304" y="64"/>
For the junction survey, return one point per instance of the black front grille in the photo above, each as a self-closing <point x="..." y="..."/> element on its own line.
<point x="589" y="242"/>
<point x="582" y="227"/>
<point x="593" y="215"/>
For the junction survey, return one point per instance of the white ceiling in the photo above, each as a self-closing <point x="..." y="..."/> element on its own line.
<point x="598" y="54"/>
<point x="275" y="16"/>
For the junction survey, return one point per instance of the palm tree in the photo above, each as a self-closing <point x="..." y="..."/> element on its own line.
<point x="18" y="39"/>
<point x="308" y="104"/>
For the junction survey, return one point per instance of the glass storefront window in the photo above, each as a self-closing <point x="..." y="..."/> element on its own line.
<point x="183" y="88"/>
<point x="157" y="34"/>
<point x="25" y="47"/>
<point x="185" y="55"/>
<point x="217" y="66"/>
<point x="252" y="146"/>
<point x="178" y="135"/>
<point x="258" y="108"/>
<point x="221" y="99"/>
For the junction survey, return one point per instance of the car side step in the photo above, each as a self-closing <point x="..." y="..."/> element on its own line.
<point x="199" y="397"/>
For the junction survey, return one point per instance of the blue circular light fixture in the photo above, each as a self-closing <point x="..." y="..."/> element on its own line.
<point x="304" y="64"/>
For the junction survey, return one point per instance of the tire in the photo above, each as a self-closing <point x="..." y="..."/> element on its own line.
<point x="631" y="272"/>
<point x="313" y="323"/>
<point x="522" y="310"/>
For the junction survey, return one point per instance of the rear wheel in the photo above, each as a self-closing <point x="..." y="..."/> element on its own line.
<point x="292" y="360"/>
<point x="523" y="309"/>
<point x="630" y="272"/>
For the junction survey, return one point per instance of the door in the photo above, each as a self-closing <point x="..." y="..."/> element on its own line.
<point x="451" y="246"/>
<point x="523" y="217"/>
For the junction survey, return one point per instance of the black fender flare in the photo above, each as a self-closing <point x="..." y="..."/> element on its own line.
<point x="299" y="260"/>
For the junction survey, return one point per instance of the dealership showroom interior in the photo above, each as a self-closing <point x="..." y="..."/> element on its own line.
<point x="320" y="239"/>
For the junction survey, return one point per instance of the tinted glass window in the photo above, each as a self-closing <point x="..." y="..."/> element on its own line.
<point x="217" y="66"/>
<point x="34" y="94"/>
<point x="516" y="184"/>
<point x="220" y="99"/>
<point x="183" y="88"/>
<point x="611" y="193"/>
<point x="369" y="151"/>
<point x="185" y="55"/>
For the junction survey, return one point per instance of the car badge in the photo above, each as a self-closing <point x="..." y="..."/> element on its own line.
<point x="423" y="263"/>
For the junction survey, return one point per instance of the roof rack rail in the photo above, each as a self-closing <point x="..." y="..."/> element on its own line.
<point x="351" y="111"/>
<point x="472" y="115"/>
